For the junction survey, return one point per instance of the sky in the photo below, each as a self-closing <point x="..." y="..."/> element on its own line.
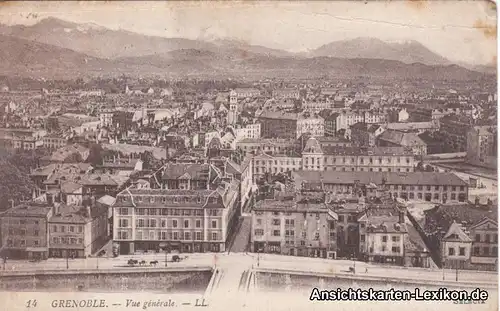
<point x="462" y="31"/>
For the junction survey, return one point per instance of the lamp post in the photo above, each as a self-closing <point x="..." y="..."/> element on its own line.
<point x="67" y="260"/>
<point x="442" y="266"/>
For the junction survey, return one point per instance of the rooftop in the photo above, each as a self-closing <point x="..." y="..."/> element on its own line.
<point x="378" y="178"/>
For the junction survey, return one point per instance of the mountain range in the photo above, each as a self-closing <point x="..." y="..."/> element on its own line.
<point x="57" y="48"/>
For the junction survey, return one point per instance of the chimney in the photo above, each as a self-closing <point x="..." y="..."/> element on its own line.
<point x="55" y="208"/>
<point x="402" y="217"/>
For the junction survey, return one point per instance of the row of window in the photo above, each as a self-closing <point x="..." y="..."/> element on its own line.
<point x="14" y="221"/>
<point x="428" y="187"/>
<point x="66" y="240"/>
<point x="21" y="243"/>
<point x="288" y="233"/>
<point x="125" y="211"/>
<point x="486" y="238"/>
<point x="163" y="199"/>
<point x="176" y="236"/>
<point x="383" y="248"/>
<point x="429" y="196"/>
<point x="69" y="228"/>
<point x="152" y="223"/>
<point x="22" y="232"/>
<point x="486" y="251"/>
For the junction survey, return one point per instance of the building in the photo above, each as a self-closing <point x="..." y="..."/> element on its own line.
<point x="414" y="127"/>
<point x="412" y="141"/>
<point x="52" y="142"/>
<point x="364" y="134"/>
<point x="482" y="146"/>
<point x="455" y="127"/>
<point x="464" y="236"/>
<point x="294" y="226"/>
<point x="268" y="145"/>
<point x="26" y="143"/>
<point x="313" y="125"/>
<point x="413" y="186"/>
<point x="67" y="154"/>
<point x="316" y="106"/>
<point x="185" y="220"/>
<point x="25" y="232"/>
<point x="77" y="231"/>
<point x="330" y="122"/>
<point x="286" y="94"/>
<point x="318" y="157"/>
<point x="106" y="118"/>
<point x="248" y="131"/>
<point x="330" y="141"/>
<point x="383" y="236"/>
<point x="275" y="163"/>
<point x="279" y="125"/>
<point x="242" y="93"/>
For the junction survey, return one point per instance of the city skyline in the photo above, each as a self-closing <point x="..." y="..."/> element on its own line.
<point x="439" y="26"/>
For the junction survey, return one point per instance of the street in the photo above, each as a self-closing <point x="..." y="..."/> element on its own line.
<point x="233" y="265"/>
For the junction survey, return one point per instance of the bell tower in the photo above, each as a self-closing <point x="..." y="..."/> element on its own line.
<point x="232" y="114"/>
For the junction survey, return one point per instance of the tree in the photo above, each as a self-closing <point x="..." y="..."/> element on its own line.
<point x="16" y="185"/>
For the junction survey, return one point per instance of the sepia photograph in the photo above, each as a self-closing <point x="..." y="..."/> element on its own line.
<point x="258" y="155"/>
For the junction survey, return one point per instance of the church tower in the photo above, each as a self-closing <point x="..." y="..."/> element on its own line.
<point x="232" y="114"/>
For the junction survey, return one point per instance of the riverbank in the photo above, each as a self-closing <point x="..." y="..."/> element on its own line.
<point x="160" y="280"/>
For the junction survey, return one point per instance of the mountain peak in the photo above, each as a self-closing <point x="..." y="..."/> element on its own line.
<point x="55" y="23"/>
<point x="406" y="51"/>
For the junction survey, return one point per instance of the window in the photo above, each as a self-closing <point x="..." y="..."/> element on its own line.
<point x="494" y="251"/>
<point x="186" y="223"/>
<point x="80" y="228"/>
<point x="384" y="238"/>
<point x="362" y="238"/>
<point x="23" y="242"/>
<point x="123" y="211"/>
<point x="198" y="236"/>
<point x="214" y="235"/>
<point x="276" y="233"/>
<point x="428" y="188"/>
<point x="198" y="223"/>
<point x="495" y="238"/>
<point x="395" y="249"/>
<point x="63" y="228"/>
<point x="71" y="228"/>
<point x="478" y="238"/>
<point x="395" y="238"/>
<point x="341" y="218"/>
<point x="259" y="232"/>
<point x="451" y="251"/>
<point x="141" y="211"/>
<point x="187" y="236"/>
<point x="176" y="235"/>
<point x="276" y="222"/>
<point x="476" y="251"/>
<point x="36" y="233"/>
<point x="486" y="251"/>
<point x="453" y="196"/>
<point x="436" y="187"/>
<point x="174" y="223"/>
<point x="461" y="251"/>
<point x="214" y="223"/>
<point x="316" y="236"/>
<point x="487" y="238"/>
<point x="54" y="229"/>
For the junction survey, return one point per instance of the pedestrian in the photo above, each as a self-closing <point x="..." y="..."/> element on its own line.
<point x="366" y="270"/>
